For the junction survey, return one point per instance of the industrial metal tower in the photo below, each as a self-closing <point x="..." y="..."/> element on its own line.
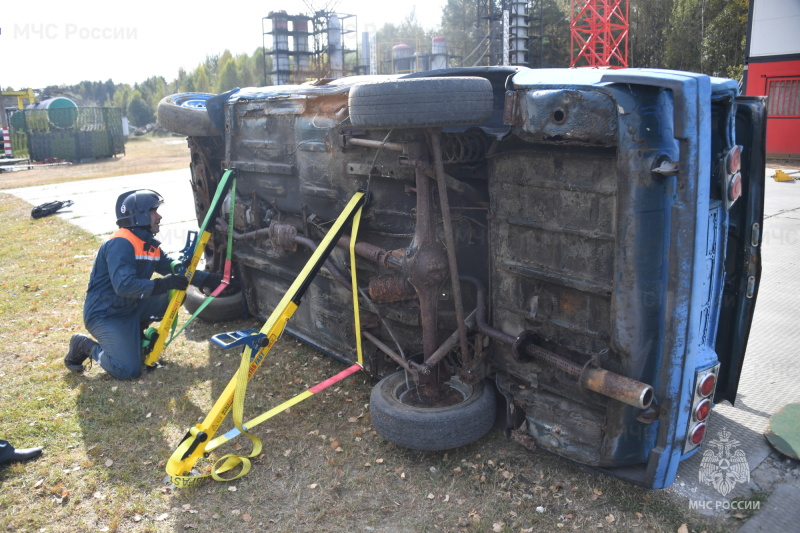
<point x="599" y="33"/>
<point x="293" y="58"/>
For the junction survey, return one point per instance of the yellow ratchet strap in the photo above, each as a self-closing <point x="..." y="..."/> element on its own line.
<point x="353" y="281"/>
<point x="196" y="442"/>
<point x="169" y="321"/>
<point x="174" y="306"/>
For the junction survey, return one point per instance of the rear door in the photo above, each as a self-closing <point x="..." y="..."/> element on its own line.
<point x="743" y="259"/>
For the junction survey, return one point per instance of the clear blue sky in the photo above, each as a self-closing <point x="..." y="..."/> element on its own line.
<point x="52" y="42"/>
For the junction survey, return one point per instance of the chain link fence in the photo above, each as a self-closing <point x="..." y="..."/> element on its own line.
<point x="72" y="133"/>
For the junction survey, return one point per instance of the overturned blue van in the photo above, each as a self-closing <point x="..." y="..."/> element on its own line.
<point x="571" y="254"/>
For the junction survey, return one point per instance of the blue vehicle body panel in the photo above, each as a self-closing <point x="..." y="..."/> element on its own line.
<point x="669" y="248"/>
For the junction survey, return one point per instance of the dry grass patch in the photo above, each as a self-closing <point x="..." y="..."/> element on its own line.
<point x="142" y="154"/>
<point x="323" y="466"/>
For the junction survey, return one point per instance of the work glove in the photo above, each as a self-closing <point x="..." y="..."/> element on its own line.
<point x="213" y="280"/>
<point x="168" y="283"/>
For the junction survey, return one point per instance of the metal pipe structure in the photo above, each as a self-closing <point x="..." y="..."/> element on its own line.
<point x="518" y="32"/>
<point x="610" y="384"/>
<point x="409" y="366"/>
<point x="395" y="147"/>
<point x="599" y="33"/>
<point x="616" y="386"/>
<point x="452" y="183"/>
<point x="372" y="253"/>
<point x="450" y="343"/>
<point x="285" y="238"/>
<point x="435" y="135"/>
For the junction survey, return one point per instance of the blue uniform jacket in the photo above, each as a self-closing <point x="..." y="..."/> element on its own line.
<point x="119" y="280"/>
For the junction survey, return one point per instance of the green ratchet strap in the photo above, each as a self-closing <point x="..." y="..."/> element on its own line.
<point x="197" y="441"/>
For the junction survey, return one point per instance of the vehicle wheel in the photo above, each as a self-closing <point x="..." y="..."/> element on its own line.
<point x="221" y="309"/>
<point x="421" y="102"/>
<point x="399" y="420"/>
<point x="185" y="113"/>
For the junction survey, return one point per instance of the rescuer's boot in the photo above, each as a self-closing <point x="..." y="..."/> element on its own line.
<point x="80" y="348"/>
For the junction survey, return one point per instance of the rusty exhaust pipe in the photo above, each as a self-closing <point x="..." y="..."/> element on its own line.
<point x="621" y="388"/>
<point x="626" y="390"/>
<point x="616" y="386"/>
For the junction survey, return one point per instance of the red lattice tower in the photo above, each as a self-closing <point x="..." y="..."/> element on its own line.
<point x="599" y="30"/>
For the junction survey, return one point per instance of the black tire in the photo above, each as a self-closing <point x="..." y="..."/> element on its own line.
<point x="185" y="113"/>
<point x="421" y="102"/>
<point x="431" y="428"/>
<point x="221" y="309"/>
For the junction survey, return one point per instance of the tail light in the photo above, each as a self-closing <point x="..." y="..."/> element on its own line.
<point x="702" y="410"/>
<point x="705" y="383"/>
<point x="730" y="175"/>
<point x="734" y="159"/>
<point x="734" y="187"/>
<point x="698" y="434"/>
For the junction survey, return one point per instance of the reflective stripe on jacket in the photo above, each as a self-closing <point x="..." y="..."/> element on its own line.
<point x="142" y="251"/>
<point x="121" y="273"/>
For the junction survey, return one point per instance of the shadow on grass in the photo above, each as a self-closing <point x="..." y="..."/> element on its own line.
<point x="127" y="421"/>
<point x="137" y="424"/>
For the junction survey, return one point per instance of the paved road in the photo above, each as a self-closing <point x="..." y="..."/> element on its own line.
<point x="771" y="374"/>
<point x="94" y="202"/>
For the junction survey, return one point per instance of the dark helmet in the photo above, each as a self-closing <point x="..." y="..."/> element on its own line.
<point x="133" y="207"/>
